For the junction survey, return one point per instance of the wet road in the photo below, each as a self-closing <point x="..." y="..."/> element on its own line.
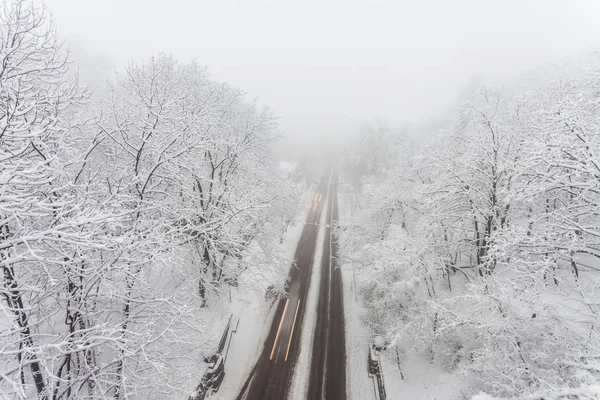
<point x="272" y="375"/>
<point x="328" y="365"/>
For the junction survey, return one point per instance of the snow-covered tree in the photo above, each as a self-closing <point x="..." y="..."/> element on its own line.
<point x="489" y="265"/>
<point x="112" y="219"/>
<point x="46" y="223"/>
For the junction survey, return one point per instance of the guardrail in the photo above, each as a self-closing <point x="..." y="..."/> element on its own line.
<point x="374" y="369"/>
<point x="378" y="382"/>
<point x="213" y="377"/>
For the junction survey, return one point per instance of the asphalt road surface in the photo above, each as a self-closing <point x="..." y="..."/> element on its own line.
<point x="272" y="375"/>
<point x="328" y="367"/>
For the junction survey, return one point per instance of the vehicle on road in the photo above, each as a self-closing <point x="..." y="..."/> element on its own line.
<point x="373" y="361"/>
<point x="375" y="348"/>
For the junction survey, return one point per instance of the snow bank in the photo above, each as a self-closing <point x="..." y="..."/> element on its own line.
<point x="359" y="386"/>
<point x="587" y="393"/>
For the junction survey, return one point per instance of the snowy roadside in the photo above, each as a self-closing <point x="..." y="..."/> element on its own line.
<point x="359" y="386"/>
<point x="587" y="393"/>
<point x="415" y="377"/>
<point x="422" y="379"/>
<point x="255" y="313"/>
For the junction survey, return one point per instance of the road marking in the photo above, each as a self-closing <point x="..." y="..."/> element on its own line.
<point x="279" y="329"/>
<point x="292" y="333"/>
<point x="329" y="265"/>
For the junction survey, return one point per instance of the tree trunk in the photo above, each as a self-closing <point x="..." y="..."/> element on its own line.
<point x="15" y="304"/>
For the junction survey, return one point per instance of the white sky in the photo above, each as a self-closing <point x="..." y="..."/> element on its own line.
<point x="323" y="66"/>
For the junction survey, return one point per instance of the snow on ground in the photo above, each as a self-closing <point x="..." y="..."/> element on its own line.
<point x="246" y="344"/>
<point x="255" y="314"/>
<point x="416" y="378"/>
<point x="422" y="380"/>
<point x="302" y="368"/>
<point x="359" y="386"/>
<point x="588" y="393"/>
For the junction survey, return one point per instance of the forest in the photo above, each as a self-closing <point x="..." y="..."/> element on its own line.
<point x="130" y="209"/>
<point x="481" y="233"/>
<point x="120" y="215"/>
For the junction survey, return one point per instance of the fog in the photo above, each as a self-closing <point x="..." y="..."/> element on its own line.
<point x="325" y="66"/>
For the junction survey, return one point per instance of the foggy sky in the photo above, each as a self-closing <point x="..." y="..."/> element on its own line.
<point x="323" y="66"/>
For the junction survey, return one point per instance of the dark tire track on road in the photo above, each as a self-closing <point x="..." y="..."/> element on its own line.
<point x="335" y="380"/>
<point x="319" y="347"/>
<point x="328" y="364"/>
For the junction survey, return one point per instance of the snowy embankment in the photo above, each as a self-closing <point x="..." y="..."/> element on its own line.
<point x="359" y="386"/>
<point x="406" y="375"/>
<point x="589" y="393"/>
<point x="254" y="311"/>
